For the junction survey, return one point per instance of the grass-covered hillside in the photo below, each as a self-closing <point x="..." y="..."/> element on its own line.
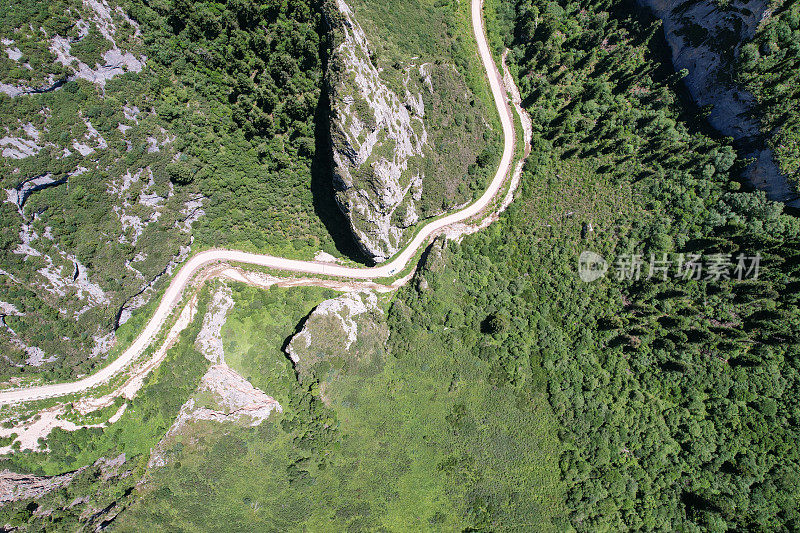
<point x="425" y="436"/>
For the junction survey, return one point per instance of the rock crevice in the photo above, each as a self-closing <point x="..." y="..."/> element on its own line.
<point x="705" y="38"/>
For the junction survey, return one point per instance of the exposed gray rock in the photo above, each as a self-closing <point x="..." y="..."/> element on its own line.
<point x="234" y="399"/>
<point x="351" y="327"/>
<point x="209" y="339"/>
<point x="223" y="396"/>
<point x="379" y="143"/>
<point x="405" y="137"/>
<point x="17" y="148"/>
<point x="14" y="53"/>
<point x="705" y="38"/>
<point x="7" y="309"/>
<point x="14" y="486"/>
<point x="115" y="60"/>
<point x="36" y="356"/>
<point x="20" y="193"/>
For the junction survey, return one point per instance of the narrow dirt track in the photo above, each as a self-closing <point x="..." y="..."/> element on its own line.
<point x="196" y="263"/>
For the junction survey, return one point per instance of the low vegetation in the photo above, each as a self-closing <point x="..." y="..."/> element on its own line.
<point x="421" y="438"/>
<point x="92" y="495"/>
<point x="511" y="394"/>
<point x="104" y="220"/>
<point x="191" y="149"/>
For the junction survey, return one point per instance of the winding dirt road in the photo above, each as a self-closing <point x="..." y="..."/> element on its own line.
<point x="176" y="288"/>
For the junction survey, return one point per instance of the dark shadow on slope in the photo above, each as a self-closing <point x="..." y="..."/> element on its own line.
<point x="695" y="117"/>
<point x="324" y="198"/>
<point x="288" y="340"/>
<point x="691" y="115"/>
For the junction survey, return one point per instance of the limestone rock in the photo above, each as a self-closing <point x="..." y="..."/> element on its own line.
<point x="402" y="139"/>
<point x="348" y="332"/>
<point x="700" y="35"/>
<point x="379" y="141"/>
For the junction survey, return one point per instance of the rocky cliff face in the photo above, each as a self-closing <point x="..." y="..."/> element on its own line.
<point x="705" y="38"/>
<point x="386" y="154"/>
<point x="14" y="486"/>
<point x="379" y="142"/>
<point x="96" y="493"/>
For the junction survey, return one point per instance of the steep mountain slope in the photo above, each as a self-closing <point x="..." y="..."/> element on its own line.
<point x="90" y="220"/>
<point x="407" y="135"/>
<point x="769" y="66"/>
<point x="511" y="394"/>
<point x="288" y="450"/>
<point x="133" y="130"/>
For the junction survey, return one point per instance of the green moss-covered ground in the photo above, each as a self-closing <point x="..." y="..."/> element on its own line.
<point x="428" y="442"/>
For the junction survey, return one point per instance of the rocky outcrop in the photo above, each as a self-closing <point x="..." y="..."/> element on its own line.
<point x="115" y="60"/>
<point x="209" y="338"/>
<point x="15" y="486"/>
<point x="705" y="38"/>
<point x="403" y="136"/>
<point x="379" y="142"/>
<point x="226" y="396"/>
<point x="17" y="195"/>
<point x="349" y="332"/>
<point x="223" y="395"/>
<point x="234" y="399"/>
